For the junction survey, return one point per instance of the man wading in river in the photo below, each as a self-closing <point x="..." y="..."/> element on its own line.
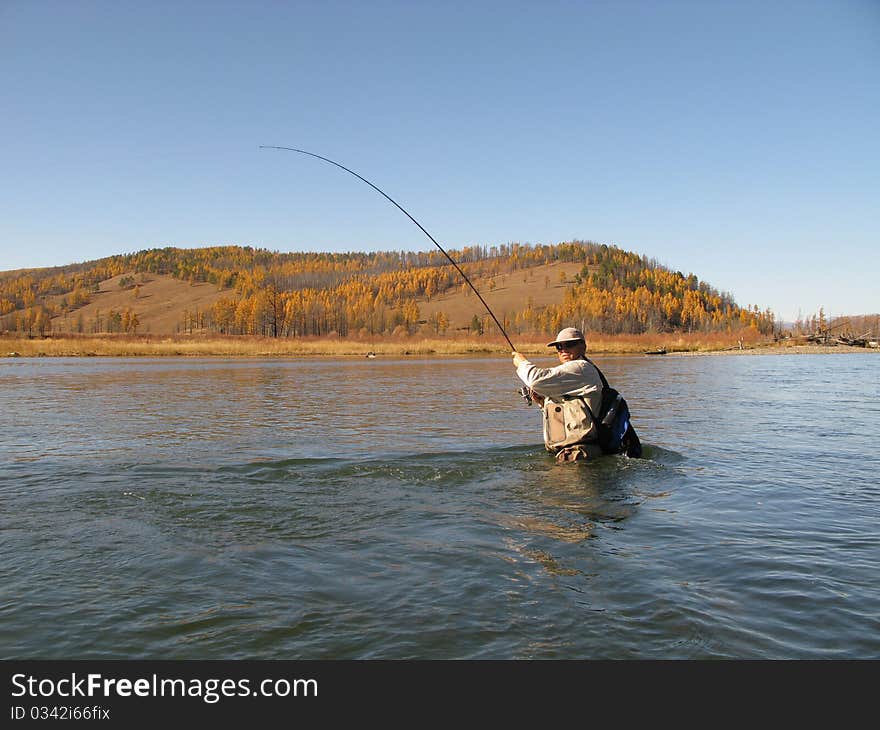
<point x="571" y="397"/>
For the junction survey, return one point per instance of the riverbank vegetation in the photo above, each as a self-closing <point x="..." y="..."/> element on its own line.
<point x="67" y="345"/>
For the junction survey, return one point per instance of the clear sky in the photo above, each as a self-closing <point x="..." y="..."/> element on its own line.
<point x="736" y="140"/>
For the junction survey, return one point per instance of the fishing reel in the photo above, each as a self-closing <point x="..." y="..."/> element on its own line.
<point x="526" y="394"/>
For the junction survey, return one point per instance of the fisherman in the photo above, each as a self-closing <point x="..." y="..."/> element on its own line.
<point x="570" y="396"/>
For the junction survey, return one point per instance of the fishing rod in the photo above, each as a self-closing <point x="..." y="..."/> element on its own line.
<point x="406" y="213"/>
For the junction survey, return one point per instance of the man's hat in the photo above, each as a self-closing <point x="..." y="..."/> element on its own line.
<point x="569" y="334"/>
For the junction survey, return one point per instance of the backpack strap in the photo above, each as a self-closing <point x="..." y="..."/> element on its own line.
<point x="586" y="403"/>
<point x="603" y="412"/>
<point x="601" y="375"/>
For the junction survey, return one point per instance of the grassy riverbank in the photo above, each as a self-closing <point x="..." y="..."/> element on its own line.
<point x="245" y="346"/>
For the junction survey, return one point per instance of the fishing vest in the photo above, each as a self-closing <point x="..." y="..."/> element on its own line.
<point x="567" y="421"/>
<point x="570" y="420"/>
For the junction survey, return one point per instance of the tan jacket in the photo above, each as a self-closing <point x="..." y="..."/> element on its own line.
<point x="566" y="420"/>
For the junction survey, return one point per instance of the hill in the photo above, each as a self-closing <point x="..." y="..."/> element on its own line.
<point x="532" y="289"/>
<point x="540" y="287"/>
<point x="160" y="303"/>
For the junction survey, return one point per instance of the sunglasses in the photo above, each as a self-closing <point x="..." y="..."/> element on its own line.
<point x="567" y="345"/>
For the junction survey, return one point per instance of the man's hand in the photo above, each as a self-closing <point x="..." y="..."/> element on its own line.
<point x="518" y="359"/>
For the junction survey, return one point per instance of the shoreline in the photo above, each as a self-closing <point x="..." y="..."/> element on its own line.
<point x="146" y="346"/>
<point x="786" y="350"/>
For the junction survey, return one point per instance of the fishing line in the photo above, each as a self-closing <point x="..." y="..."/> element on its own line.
<point x="406" y="213"/>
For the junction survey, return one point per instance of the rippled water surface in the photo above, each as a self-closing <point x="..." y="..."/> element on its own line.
<point x="290" y="509"/>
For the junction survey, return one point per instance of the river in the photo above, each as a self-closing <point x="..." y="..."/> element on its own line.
<point x="405" y="509"/>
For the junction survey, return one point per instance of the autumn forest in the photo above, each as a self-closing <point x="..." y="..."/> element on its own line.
<point x="292" y="295"/>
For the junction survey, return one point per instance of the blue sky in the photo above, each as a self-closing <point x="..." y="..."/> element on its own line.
<point x="735" y="140"/>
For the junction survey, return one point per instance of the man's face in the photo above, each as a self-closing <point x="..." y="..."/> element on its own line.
<point x="571" y="350"/>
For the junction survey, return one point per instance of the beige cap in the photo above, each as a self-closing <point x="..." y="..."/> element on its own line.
<point x="569" y="334"/>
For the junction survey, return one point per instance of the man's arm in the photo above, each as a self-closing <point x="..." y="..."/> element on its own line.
<point x="550" y="382"/>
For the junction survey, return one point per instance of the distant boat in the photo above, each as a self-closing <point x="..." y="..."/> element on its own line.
<point x="371" y="355"/>
<point x="661" y="351"/>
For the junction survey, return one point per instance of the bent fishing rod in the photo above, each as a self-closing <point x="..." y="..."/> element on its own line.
<point x="406" y="213"/>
